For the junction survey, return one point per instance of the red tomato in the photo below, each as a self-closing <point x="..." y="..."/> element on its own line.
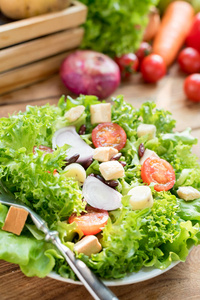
<point x="91" y="222"/>
<point x="43" y="148"/>
<point x="128" y="64"/>
<point x="193" y="38"/>
<point x="144" y="50"/>
<point x="109" y="135"/>
<point x="189" y="60"/>
<point x="192" y="87"/>
<point x="158" y="171"/>
<point x="153" y="68"/>
<point x="54" y="172"/>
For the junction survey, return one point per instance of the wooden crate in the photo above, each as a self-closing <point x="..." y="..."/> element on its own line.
<point x="33" y="49"/>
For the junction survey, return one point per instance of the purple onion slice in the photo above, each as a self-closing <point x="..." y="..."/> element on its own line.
<point x="68" y="135"/>
<point x="99" y="195"/>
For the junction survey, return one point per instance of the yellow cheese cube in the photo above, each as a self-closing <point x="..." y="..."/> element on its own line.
<point x="111" y="170"/>
<point x="100" y="113"/>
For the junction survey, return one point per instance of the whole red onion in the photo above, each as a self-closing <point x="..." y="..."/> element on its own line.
<point x="90" y="73"/>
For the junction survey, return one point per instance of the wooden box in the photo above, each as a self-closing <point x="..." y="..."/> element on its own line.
<point x="33" y="49"/>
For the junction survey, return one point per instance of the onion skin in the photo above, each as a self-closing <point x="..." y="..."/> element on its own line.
<point x="90" y="73"/>
<point x="68" y="135"/>
<point x="99" y="195"/>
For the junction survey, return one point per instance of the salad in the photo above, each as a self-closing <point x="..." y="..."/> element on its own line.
<point x="119" y="178"/>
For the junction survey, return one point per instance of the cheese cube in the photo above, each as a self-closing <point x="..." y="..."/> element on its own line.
<point x="74" y="113"/>
<point x="104" y="153"/>
<point x="148" y="153"/>
<point x="141" y="197"/>
<point x="15" y="220"/>
<point x="144" y="129"/>
<point x="188" y="193"/>
<point x="88" y="245"/>
<point x="111" y="170"/>
<point x="100" y="113"/>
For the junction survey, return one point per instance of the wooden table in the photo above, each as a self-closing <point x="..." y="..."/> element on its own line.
<point x="180" y="283"/>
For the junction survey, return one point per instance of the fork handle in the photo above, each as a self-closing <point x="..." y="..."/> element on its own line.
<point x="94" y="286"/>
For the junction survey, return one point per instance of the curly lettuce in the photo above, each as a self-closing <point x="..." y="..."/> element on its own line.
<point x="103" y="32"/>
<point x="131" y="239"/>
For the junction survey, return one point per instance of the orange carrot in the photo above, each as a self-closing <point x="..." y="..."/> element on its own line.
<point x="173" y="30"/>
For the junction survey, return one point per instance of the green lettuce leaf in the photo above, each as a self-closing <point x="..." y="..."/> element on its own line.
<point x="35" y="258"/>
<point x="131" y="239"/>
<point x="103" y="35"/>
<point x="3" y="213"/>
<point x="134" y="239"/>
<point x="30" y="178"/>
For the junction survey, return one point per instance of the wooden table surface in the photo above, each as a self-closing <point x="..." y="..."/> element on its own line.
<point x="180" y="283"/>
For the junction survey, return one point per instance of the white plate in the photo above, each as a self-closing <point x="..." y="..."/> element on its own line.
<point x="142" y="275"/>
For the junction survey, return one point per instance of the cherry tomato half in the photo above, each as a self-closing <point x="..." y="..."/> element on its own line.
<point x="192" y="87"/>
<point x="158" y="171"/>
<point x="128" y="64"/>
<point x="43" y="148"/>
<point x="109" y="135"/>
<point x="153" y="68"/>
<point x="144" y="50"/>
<point x="189" y="60"/>
<point x="91" y="222"/>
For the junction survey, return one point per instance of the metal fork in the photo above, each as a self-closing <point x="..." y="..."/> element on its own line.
<point x="93" y="284"/>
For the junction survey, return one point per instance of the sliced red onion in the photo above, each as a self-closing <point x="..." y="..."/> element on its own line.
<point x="68" y="135"/>
<point x="99" y="195"/>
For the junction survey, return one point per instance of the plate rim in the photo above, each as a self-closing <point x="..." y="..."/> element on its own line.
<point x="146" y="274"/>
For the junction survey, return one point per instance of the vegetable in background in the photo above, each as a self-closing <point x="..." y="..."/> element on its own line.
<point x="189" y="60"/>
<point x="152" y="26"/>
<point x="173" y="30"/>
<point x="153" y="68"/>
<point x="18" y="9"/>
<point x="144" y="50"/>
<point x="90" y="73"/>
<point x="128" y="64"/>
<point x="162" y="5"/>
<point x="192" y="87"/>
<point x="115" y="27"/>
<point x="193" y="37"/>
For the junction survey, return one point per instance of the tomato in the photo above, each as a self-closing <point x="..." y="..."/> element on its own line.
<point x="54" y="172"/>
<point x="91" y="222"/>
<point x="193" y="38"/>
<point x="144" y="50"/>
<point x="128" y="64"/>
<point x="189" y="60"/>
<point x="158" y="171"/>
<point x="43" y="148"/>
<point x="192" y="87"/>
<point x="109" y="135"/>
<point x="153" y="68"/>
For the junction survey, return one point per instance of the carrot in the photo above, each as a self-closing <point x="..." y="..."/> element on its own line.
<point x="173" y="30"/>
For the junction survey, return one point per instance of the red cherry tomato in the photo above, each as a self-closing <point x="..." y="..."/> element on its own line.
<point x="153" y="68"/>
<point x="192" y="87"/>
<point x="128" y="64"/>
<point x="43" y="148"/>
<point x="189" y="60"/>
<point x="144" y="50"/>
<point x="109" y="135"/>
<point x="158" y="171"/>
<point x="193" y="38"/>
<point x="91" y="222"/>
